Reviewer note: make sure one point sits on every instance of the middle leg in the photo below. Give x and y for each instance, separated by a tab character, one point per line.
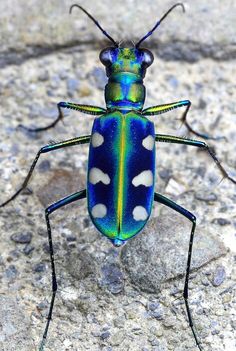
43	150
197	143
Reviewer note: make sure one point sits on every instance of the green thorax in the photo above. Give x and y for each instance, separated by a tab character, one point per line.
125	68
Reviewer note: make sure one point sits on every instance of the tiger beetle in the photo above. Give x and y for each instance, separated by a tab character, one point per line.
120	191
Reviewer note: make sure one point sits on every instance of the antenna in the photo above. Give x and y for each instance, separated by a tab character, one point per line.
96	22
159	22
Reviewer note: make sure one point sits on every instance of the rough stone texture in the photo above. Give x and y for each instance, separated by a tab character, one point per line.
15	325
33	28
101	304
160	253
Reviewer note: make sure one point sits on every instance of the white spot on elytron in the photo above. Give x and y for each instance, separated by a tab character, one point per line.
96	175
148	142
144	178
97	139
99	211
140	213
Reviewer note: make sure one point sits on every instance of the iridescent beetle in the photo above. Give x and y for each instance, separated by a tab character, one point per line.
121	165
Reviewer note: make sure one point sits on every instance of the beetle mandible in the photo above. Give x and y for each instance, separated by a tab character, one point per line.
120	192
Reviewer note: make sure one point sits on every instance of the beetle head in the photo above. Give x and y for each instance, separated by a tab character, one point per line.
133	60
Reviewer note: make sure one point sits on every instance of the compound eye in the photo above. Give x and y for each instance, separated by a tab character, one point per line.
106	56
147	57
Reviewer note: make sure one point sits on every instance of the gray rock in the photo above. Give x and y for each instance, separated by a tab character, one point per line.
15	326
22	238
30	30
105	335
44	166
11	272
80	265
159	253
207	197
219	276
61	183
112	278
39	267
28	249
222	221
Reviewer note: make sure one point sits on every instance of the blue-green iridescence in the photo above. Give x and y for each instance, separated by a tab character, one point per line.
125	89
121	173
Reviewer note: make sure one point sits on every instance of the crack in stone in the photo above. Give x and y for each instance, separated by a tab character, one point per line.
172	51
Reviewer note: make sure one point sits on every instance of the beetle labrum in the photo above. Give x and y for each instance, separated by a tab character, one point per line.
120	191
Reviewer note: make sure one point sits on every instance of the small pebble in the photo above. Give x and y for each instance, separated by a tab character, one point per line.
14	254
28	249
175	188
207	197
39	267
219	276
42	305
22	238
221	221
153	305
165	174
153	341
233	324
71	238
11	272
215	328
44	166
112	278
156	310
205	281
105	335
169	322
202	104
227	298
42	232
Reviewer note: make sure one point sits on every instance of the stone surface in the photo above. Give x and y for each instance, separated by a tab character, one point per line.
102	301
15	332
22	238
160	253
32	28
219	276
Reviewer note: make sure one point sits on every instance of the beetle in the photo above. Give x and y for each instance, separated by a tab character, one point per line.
120	190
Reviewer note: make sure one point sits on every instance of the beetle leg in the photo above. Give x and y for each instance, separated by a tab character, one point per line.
45	149
91	110
167	202
197	143
63	202
156	110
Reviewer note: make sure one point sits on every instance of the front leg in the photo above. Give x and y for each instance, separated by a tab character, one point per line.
157	110
197	143
88	109
43	150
